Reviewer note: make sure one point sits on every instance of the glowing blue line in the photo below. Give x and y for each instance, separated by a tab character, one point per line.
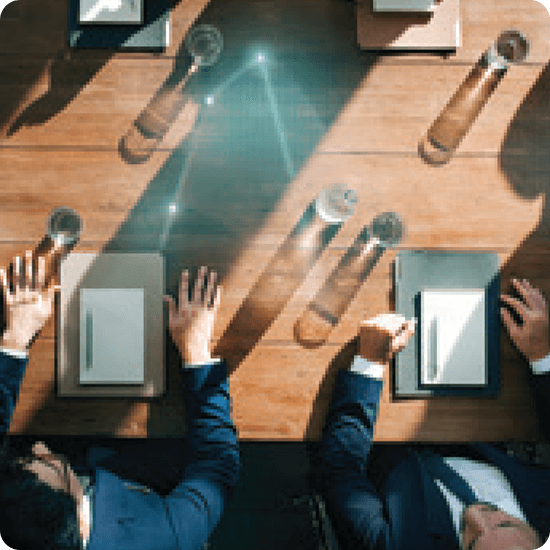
229	81
184	173
178	196
278	124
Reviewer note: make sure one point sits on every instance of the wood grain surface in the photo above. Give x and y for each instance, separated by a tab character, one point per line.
245	169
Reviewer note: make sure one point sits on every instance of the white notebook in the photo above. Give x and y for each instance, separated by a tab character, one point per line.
453	337
112	346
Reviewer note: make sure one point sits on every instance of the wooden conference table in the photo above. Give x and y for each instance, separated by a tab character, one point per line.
320	112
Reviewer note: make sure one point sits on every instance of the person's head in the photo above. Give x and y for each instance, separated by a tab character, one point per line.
487	527
41	500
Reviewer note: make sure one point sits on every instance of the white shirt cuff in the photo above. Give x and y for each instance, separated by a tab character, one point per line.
542	366
213	361
363	366
16	353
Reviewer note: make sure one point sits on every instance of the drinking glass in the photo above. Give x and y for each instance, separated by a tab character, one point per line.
63	230
204	44
450	127
336	204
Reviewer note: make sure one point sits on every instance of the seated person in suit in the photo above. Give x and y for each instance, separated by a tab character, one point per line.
476	499
44	502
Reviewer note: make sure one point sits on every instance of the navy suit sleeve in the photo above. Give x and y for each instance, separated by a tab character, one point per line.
197	503
12	370
352	500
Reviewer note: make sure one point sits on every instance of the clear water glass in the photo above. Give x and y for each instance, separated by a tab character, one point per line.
388	229
64	226
204	43
512	46
336	204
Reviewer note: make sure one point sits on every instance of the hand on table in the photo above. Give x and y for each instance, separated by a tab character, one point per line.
381	337
192	323
532	337
30	304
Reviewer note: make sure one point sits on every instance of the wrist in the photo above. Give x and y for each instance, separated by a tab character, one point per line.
385	362
196	358
9	342
538	355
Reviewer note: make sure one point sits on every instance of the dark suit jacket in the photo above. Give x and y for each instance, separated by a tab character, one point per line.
129	515
407	510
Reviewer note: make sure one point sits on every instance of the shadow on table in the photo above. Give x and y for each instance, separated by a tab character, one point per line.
219	185
525	162
283	275
47	74
44	75
56	84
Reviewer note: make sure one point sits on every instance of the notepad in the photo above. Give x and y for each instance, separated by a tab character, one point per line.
453	337
112	336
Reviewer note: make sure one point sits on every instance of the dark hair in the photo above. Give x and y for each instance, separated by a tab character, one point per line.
34	516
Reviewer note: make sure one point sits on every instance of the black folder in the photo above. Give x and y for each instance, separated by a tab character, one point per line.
151	35
418	270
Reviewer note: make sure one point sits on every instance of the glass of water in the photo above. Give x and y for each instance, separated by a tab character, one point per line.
64	226
336	204
204	43
388	229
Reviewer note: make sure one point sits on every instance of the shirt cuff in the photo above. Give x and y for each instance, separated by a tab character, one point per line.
363	366
542	366
213	361
15	353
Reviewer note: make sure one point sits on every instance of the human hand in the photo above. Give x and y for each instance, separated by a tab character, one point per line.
532	337
381	337
192	324
30	304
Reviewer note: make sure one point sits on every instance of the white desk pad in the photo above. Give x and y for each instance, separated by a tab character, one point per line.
453	337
